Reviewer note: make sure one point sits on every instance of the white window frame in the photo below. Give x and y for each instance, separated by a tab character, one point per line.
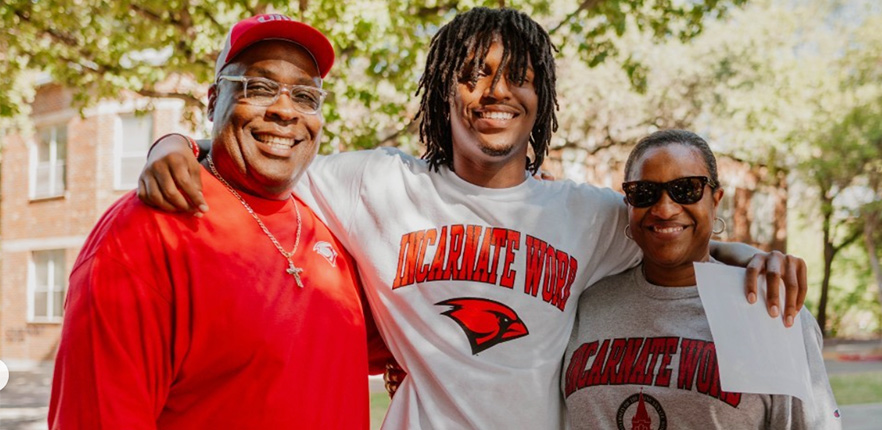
119	154
53	162
48	290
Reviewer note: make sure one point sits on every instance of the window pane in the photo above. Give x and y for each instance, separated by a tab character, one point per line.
60	178
44	140
57	303
42	186
49	283
137	134
49	175
40	305
61	142
129	170
60	272
41	271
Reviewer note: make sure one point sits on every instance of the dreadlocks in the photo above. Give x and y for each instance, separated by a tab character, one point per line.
462	45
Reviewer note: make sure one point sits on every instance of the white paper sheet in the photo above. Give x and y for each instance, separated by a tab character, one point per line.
755	353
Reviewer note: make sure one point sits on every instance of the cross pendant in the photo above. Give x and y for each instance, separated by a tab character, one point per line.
295	271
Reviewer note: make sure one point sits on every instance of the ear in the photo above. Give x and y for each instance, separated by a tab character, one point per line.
212	101
718	196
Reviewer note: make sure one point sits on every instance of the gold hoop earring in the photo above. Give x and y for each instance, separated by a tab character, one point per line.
628	232
718	231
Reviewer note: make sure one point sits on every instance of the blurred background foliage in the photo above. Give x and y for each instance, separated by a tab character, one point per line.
790	84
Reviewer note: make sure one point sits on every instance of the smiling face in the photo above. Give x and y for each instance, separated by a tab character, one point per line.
491	124
263	150
671	235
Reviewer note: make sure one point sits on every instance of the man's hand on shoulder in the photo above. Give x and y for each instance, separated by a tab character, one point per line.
776	267
171	178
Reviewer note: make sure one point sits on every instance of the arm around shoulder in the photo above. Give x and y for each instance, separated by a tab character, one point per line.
621	252
171	178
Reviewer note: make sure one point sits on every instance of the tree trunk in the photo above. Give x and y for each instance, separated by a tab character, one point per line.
870	224
829	253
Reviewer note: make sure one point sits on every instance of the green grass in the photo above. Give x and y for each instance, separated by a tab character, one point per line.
379	404
857	388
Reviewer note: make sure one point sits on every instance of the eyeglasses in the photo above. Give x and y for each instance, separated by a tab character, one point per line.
265	92
685	191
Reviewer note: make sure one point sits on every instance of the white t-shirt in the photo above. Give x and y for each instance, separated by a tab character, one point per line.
474	289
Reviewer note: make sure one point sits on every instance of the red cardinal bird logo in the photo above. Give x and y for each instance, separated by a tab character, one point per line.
485	322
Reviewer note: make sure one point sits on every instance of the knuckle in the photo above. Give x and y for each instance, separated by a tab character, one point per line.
154	195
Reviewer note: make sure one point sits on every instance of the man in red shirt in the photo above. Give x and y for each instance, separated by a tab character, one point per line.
249	317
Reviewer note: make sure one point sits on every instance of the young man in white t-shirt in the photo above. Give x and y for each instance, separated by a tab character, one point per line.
471	266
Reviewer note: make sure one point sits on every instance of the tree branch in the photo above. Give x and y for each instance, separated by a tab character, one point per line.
149	14
210	17
425	11
389	140
585	5
188	98
848	240
54	34
608	142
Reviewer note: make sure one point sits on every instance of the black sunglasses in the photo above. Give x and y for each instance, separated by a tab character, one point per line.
685	191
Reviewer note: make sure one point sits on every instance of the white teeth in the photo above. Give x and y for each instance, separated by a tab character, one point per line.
668	229
275	140
497	115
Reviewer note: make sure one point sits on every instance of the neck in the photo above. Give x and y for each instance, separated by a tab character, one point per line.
277	192
680	275
490	174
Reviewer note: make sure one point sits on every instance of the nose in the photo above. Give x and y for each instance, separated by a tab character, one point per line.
498	91
283	108
665	207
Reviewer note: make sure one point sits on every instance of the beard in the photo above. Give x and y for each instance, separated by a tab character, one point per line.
497	152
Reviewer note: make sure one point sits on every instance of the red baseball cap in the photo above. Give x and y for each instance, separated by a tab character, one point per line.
276	27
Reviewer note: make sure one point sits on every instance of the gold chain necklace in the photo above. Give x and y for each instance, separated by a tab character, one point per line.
292	269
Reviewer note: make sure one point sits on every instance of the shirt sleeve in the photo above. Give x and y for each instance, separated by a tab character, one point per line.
331	188
113	369
790	412
617	252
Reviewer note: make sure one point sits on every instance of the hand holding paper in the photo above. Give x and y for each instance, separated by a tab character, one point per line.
755	353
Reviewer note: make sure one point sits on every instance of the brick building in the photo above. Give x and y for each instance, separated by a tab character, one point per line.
58	177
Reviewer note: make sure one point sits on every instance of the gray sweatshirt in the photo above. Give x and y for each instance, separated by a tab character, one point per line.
641	356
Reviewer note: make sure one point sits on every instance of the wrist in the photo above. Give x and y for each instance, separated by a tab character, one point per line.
190	143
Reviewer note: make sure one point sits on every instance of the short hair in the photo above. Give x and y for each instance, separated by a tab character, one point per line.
473	32
673	137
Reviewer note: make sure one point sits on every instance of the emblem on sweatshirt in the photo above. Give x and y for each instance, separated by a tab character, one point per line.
327	251
486	323
641	418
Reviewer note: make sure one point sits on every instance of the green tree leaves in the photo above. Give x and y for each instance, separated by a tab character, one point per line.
154	48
